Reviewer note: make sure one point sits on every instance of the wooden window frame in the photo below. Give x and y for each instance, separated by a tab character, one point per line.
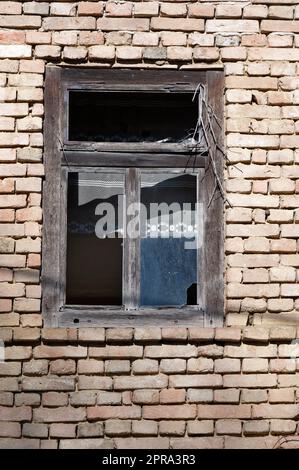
62	156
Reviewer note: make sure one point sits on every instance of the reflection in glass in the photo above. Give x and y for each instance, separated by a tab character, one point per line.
94	239
168	268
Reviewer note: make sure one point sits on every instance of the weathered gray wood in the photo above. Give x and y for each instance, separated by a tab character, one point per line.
149	160
118	318
133	78
127	147
214	238
51	286
131	253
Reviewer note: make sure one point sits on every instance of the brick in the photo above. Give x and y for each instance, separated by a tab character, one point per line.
10	430
201	335
282	426
63	414
169	412
206	54
254	365
146	39
173	428
238	26
254	396
145	366
47	383
22	22
268	26
117	427
197	443
195	381
27	399
282	333
144	335
36	8
64	23
170	351
144	428
94	383
146	9
170	366
181	24
142	443
199	395
131	383
35	367
117	367
21	413
197	39
62	430
108	398
200	365
231	395
63	367
224	411
113	412
228	426
119	24
147	397
90	366
172	396
255	334
210	350
35	430
246	350
27	305
284	395
90	9
90	430
115	352
227	366
266	411
6	398
49	352
83	398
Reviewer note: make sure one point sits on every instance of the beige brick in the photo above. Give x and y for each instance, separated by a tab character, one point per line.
169	412
172	395
127	24
181	24
254	365
228	427
199	395
144	428
90	9
265	411
282	426
145	9
64	23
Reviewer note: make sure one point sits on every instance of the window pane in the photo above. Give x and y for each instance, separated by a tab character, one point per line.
94	238
168	240
131	117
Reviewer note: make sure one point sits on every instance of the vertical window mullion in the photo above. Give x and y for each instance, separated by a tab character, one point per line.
131	265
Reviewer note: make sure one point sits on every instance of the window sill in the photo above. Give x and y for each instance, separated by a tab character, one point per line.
111	317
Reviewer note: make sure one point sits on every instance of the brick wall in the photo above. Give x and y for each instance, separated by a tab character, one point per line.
233	387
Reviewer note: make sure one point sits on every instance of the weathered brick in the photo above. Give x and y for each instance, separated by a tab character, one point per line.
60	415
96	413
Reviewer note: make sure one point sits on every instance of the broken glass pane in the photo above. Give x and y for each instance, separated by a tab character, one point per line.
168	242
131	117
94	238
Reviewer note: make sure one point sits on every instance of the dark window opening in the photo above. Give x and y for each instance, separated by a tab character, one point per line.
131	117
94	261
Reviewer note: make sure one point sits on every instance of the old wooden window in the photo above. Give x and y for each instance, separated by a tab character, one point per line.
126	191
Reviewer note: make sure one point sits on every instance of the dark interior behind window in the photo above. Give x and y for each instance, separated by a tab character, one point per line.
131	116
